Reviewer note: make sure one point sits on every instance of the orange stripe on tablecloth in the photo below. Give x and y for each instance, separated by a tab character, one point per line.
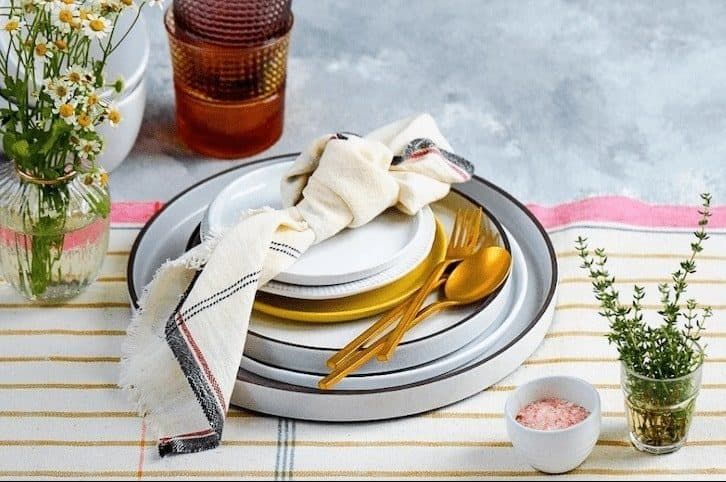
61	332
62	414
325	443
593	306
643	281
58	386
676	256
97	305
142	450
60	359
317	474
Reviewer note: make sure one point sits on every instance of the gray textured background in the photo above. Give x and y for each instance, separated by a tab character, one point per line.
553	100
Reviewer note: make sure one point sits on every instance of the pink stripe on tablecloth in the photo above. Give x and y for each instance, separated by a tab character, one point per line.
134	211
606	209
623	210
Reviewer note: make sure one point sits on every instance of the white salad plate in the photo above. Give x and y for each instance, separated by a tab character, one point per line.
477	348
412	257
520	332
350	256
305	347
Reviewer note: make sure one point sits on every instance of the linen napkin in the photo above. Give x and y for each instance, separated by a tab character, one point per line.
185	343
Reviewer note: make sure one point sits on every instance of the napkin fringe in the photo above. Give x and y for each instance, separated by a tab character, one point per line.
146	349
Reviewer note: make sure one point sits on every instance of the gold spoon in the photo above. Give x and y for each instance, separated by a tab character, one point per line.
473	279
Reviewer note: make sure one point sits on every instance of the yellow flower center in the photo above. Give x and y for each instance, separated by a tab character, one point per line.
61	44
68	2
74	77
103	179
92	100
84	120
12	26
61	91
66	110
97	25
114	116
41	50
128	3
65	16
84	13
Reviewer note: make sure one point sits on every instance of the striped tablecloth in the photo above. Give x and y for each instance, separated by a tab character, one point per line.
61	414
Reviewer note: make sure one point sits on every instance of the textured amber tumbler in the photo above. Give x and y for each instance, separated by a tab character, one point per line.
230	99
241	22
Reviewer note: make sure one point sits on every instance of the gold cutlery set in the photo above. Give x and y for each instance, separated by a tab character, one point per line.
480	266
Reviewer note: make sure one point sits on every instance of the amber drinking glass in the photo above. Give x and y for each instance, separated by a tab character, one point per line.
230	98
241	22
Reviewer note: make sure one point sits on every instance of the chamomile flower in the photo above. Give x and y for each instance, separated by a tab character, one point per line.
88	148
58	91
43	49
28	6
128	5
96	27
65	17
61	45
14	25
114	116
85	122
67	112
77	75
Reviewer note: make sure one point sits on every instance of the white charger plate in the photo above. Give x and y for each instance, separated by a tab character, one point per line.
350	256
166	236
474	350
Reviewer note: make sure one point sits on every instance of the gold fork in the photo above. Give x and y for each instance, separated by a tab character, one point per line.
464	242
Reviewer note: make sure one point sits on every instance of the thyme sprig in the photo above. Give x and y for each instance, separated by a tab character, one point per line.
671	349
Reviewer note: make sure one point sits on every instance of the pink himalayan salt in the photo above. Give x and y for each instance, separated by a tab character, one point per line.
551	414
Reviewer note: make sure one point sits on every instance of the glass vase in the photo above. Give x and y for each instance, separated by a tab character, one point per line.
53	232
659	411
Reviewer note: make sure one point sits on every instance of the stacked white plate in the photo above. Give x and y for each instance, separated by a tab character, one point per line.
448	357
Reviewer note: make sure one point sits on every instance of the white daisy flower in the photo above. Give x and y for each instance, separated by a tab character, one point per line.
88	149
58	90
128	5
43	49
65	17
67	112
96	27
14	25
114	115
85	122
77	75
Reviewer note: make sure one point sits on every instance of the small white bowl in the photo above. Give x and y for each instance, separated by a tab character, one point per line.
118	141
554	451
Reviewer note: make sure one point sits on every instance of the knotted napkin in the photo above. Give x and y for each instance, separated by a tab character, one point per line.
185	343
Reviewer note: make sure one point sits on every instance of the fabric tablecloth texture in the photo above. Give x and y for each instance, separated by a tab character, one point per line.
62	414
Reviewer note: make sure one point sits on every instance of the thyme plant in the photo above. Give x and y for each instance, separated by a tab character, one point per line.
660	362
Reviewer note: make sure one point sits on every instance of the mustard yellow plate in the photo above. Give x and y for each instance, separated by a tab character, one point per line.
359	306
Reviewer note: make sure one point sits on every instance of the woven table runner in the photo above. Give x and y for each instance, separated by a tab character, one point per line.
61	414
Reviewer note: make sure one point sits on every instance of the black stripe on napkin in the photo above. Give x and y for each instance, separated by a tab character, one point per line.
198	383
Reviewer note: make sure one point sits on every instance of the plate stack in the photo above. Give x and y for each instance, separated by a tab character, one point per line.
340	287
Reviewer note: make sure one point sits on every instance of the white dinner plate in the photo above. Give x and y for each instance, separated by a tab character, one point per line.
351	255
472	351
